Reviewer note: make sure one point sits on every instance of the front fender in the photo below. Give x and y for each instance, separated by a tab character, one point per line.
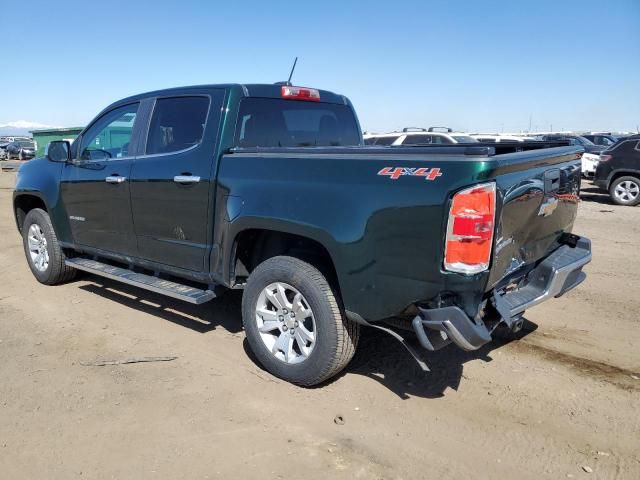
40	178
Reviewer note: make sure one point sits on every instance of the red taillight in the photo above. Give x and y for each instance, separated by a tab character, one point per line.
300	93
605	158
470	229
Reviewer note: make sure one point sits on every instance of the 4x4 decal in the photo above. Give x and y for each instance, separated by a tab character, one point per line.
396	172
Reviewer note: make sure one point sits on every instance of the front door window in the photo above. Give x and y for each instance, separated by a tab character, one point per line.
110	137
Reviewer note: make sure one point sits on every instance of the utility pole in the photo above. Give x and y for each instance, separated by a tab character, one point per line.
529	122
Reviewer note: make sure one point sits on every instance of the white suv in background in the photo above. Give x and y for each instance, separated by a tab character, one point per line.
481	137
418	136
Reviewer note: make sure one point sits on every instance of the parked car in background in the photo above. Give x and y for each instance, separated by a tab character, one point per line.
603	139
591	155
3	150
481	137
618	171
9	139
21	149
419	136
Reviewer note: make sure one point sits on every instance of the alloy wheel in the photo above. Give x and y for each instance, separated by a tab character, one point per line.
627	191
286	323
38	251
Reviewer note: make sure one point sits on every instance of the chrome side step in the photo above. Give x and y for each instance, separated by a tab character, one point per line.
148	282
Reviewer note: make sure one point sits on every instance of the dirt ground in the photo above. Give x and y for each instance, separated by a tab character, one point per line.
562	402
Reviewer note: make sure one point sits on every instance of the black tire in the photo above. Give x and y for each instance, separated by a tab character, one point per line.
336	337
618	199
56	271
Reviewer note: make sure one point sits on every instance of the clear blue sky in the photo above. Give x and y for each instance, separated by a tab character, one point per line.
482	65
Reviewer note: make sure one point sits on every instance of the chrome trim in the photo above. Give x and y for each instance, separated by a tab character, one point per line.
186	179
176	152
555	284
115	179
79	162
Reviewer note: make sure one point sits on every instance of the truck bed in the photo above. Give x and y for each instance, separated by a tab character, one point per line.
383	218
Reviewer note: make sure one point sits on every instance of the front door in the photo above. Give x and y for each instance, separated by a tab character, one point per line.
95	186
172	181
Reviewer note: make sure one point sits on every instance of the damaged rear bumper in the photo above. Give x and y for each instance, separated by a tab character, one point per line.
554	276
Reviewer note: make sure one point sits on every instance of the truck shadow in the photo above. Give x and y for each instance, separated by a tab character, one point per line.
384	360
223	311
379	357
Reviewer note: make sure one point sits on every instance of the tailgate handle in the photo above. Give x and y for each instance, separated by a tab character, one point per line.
551	180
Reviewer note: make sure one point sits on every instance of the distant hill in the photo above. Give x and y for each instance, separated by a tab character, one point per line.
21	128
15	132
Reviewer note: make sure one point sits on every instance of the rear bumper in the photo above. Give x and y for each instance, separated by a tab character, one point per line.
553	277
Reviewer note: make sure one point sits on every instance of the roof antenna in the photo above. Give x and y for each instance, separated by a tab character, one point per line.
292	69
288	82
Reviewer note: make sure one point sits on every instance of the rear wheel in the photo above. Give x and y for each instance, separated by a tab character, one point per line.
625	190
294	324
44	255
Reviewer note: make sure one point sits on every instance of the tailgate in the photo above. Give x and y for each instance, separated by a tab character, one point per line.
539	201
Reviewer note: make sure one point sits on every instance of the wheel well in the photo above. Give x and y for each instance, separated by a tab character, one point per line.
254	246
23	204
623	174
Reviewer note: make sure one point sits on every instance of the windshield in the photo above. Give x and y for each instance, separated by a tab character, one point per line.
25	144
272	122
464	139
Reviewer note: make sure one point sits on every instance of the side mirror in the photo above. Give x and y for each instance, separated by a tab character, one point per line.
58	151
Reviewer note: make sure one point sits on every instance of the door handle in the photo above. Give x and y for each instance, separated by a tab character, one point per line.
115	179
186	179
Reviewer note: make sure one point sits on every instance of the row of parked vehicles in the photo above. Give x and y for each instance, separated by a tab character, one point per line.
19	148
611	161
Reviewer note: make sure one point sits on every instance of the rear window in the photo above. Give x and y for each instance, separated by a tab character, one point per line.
417	139
271	122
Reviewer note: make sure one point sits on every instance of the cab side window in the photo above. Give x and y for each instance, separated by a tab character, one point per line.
110	136
177	124
417	139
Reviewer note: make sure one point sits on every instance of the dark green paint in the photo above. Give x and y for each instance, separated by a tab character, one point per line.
385	237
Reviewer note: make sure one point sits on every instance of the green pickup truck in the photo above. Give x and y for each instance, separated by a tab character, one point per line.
269	189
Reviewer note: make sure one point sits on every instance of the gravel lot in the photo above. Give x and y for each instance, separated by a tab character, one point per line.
562	402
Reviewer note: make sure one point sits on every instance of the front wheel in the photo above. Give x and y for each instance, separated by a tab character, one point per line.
293	322
625	190
44	255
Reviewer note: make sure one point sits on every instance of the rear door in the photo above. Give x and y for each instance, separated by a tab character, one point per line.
172	181
95	186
